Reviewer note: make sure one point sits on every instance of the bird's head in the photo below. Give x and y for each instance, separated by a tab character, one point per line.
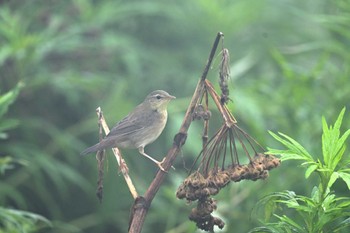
158	100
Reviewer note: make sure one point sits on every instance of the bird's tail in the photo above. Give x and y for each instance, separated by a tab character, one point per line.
99	146
90	149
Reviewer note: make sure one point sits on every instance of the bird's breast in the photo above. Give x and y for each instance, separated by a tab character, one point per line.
157	121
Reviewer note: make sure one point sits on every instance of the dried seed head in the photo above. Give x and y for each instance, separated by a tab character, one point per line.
224	75
201	215
181	192
190	196
200	113
218	222
264	175
268	161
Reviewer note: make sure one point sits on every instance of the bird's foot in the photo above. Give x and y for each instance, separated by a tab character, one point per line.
161	167
159	164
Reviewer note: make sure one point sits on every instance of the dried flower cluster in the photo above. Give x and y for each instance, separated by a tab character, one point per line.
196	187
200	113
201	215
219	161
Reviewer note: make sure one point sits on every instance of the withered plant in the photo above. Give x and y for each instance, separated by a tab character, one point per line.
219	161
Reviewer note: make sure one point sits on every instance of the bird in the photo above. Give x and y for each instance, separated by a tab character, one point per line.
140	127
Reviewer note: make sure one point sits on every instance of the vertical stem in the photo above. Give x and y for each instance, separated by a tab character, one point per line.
140	211
206	122
226	114
122	165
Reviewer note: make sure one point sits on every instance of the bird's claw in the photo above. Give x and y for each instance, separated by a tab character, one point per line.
161	167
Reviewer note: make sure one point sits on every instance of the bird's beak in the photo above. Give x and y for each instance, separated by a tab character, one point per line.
171	97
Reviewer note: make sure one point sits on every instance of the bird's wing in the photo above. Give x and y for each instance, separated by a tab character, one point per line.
128	125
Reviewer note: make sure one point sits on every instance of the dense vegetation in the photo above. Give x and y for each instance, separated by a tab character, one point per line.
59	60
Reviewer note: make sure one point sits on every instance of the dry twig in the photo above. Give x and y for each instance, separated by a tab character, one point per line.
121	162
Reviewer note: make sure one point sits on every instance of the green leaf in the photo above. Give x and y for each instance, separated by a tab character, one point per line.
6	164
267	229
290	222
346	177
332	179
342	225
20	221
333	146
310	170
8	98
269	209
6	124
295	150
315	194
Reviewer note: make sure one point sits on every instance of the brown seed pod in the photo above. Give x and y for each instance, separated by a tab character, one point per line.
190	196
181	192
213	190
218	222
200	113
264	175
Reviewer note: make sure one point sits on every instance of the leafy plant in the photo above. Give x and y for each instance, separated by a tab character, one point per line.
76	55
324	211
12	220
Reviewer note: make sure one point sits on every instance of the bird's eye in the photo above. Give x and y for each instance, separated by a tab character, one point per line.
158	97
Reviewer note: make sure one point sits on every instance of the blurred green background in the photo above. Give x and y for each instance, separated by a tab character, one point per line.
290	64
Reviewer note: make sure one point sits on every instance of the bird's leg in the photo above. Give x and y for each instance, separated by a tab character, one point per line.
159	164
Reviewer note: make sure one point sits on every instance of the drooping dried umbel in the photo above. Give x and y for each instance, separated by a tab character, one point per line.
218	166
219	163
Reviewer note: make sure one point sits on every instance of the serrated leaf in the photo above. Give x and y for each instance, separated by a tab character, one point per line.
339	120
333	146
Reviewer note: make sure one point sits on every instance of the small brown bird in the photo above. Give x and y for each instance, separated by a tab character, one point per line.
141	127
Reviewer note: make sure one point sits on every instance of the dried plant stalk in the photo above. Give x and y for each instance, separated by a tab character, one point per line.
121	162
224	75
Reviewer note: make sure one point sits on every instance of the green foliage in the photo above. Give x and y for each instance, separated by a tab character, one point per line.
12	220
289	64
5	124
17	221
5	101
324	210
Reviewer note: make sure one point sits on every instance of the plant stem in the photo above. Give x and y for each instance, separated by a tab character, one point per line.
142	204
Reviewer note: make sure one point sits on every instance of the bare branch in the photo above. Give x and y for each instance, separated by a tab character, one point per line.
121	162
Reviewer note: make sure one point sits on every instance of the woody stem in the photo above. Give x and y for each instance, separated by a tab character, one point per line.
141	205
